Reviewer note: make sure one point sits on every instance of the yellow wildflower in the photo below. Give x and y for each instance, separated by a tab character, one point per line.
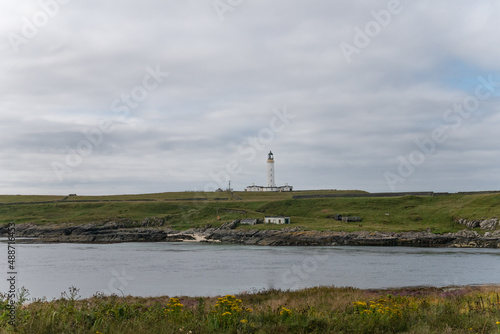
285	311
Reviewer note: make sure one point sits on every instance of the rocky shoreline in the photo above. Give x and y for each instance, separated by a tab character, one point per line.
115	232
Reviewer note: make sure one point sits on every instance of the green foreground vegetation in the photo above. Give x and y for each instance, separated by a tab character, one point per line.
313	310
183	210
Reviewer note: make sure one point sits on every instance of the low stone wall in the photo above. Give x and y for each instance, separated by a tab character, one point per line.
421	193
427	193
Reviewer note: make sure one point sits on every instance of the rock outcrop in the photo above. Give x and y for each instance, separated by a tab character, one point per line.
90	233
485	224
331	238
127	231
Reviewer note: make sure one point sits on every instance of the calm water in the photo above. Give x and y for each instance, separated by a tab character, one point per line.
153	269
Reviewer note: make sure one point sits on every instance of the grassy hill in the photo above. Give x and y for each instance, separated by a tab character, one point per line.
182	210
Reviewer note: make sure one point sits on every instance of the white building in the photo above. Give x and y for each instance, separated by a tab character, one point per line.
271	184
277	220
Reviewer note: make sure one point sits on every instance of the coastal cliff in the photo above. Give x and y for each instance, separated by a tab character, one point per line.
113	232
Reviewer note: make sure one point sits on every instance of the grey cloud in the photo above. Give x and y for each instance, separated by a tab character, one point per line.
352	121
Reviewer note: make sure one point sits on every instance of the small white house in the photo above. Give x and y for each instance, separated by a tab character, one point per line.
277	220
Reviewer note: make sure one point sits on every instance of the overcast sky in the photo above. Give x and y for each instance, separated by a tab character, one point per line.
119	96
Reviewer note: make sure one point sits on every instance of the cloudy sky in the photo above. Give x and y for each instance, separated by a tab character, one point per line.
119	96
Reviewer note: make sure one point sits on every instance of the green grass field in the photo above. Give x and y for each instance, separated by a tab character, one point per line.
313	310
182	210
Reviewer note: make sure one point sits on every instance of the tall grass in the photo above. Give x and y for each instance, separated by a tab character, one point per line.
314	310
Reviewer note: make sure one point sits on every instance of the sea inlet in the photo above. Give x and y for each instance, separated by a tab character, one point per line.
199	269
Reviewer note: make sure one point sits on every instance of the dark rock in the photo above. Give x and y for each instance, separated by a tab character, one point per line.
230	225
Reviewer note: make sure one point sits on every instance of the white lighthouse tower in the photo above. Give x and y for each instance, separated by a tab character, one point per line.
270	170
271	181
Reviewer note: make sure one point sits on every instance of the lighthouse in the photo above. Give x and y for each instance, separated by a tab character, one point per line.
271	181
270	170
